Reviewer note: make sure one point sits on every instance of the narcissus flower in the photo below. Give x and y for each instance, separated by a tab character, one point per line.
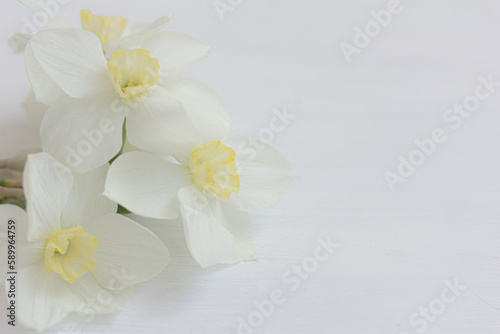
113	31
214	185
73	252
90	97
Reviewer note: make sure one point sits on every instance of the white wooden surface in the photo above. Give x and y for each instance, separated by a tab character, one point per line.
396	249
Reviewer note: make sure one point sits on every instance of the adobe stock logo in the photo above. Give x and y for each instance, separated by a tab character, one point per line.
427	314
294	277
453	118
223	6
363	37
90	140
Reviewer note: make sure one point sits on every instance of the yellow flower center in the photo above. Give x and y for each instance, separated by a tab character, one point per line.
133	72
214	169
69	253
105	27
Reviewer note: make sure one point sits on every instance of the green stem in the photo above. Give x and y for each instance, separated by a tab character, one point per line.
10	183
124	139
19	203
122	211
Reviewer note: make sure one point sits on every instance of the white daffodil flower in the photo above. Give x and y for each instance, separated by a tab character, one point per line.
213	186
113	31
73	252
90	97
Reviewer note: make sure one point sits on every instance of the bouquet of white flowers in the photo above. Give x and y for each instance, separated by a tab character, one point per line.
123	130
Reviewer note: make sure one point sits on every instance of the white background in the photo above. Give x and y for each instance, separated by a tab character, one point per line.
352	121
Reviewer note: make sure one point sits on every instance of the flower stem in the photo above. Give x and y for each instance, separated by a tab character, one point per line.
122	211
12	193
17	163
19	203
6	173
124	139
11	183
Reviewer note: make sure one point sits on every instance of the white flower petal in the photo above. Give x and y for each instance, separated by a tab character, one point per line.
35	110
147	185
204	107
91	130
96	299
136	34
86	201
215	232
17	42
43	300
47	185
127	252
47	90
26	253
73	59
264	173
127	147
176	52
159	124
148	29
